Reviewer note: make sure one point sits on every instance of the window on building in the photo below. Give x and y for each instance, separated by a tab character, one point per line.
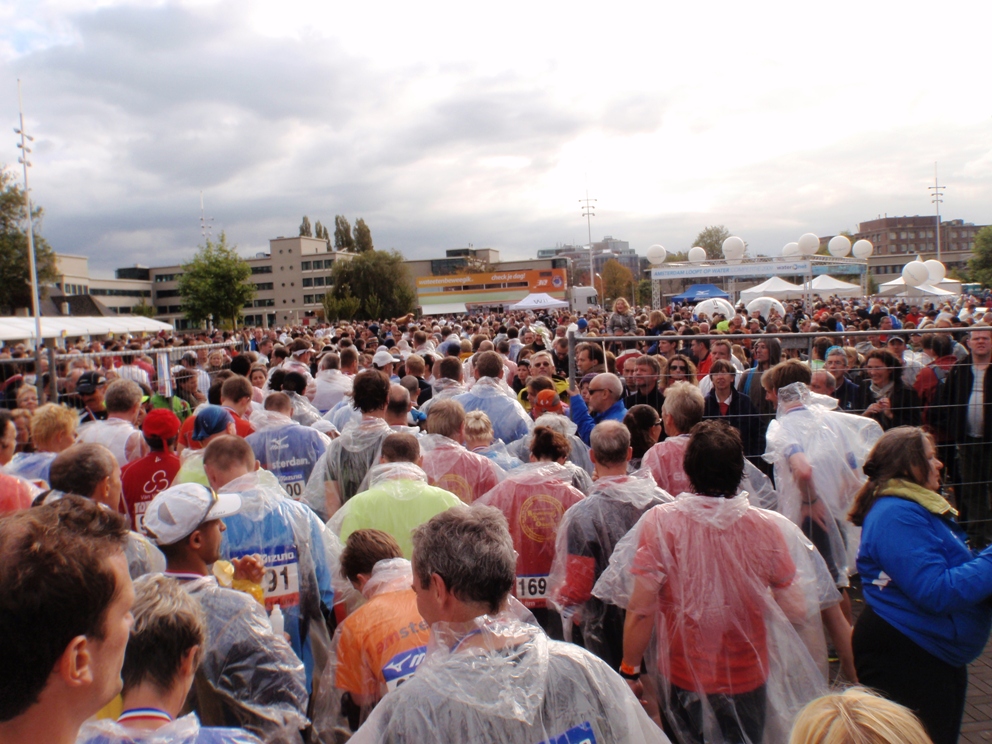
318	281
307	281
307	299
261	269
892	236
903	235
262	286
304	266
320	264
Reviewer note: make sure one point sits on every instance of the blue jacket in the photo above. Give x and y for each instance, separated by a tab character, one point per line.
918	575
586	421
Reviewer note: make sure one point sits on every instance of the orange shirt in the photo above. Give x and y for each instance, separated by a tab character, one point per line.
381	644
241	426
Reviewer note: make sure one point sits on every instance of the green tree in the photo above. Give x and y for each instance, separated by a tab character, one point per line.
143	309
617	280
15	275
712	240
363	237
980	264
305	230
677	257
318	230
217	283
377	281
644	292
343	239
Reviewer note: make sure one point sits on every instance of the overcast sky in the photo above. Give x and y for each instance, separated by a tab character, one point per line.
444	124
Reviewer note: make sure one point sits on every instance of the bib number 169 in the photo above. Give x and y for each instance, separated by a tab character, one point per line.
532	587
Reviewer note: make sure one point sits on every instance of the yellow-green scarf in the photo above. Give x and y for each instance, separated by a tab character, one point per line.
932	502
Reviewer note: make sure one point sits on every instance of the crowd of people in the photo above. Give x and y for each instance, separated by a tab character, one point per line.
502	527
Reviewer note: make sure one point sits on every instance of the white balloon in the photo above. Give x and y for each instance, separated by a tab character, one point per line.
791	249
862	248
936	271
764	304
809	244
714	305
733	247
656	254
915	273
697	254
839	246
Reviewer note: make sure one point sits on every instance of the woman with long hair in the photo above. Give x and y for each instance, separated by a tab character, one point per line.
891	403
927	612
680	369
644	424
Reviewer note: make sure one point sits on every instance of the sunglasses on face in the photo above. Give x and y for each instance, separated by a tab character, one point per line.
679	369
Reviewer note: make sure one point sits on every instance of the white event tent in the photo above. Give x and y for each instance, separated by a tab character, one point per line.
826	285
898	287
539	301
775	287
23	328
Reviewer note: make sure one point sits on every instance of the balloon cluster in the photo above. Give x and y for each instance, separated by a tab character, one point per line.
919	272
839	247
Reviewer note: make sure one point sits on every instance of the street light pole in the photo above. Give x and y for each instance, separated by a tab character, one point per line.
589	211
937	191
32	268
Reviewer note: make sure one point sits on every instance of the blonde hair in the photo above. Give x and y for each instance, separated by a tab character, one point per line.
478	425
445	418
50	420
856	716
685	404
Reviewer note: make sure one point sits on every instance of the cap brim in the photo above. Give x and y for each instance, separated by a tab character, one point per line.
227	505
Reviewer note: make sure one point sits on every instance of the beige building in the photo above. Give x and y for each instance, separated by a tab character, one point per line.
129	288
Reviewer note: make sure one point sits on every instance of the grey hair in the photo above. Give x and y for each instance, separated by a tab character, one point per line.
610	382
685	404
471	550
556	422
122	396
610	441
831	380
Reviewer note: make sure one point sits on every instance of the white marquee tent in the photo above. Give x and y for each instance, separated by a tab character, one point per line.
23	328
539	301
898	287
826	285
775	287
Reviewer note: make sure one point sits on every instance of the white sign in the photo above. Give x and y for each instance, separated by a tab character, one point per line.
774	268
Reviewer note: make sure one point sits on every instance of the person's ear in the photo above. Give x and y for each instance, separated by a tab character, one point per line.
75	664
630	453
439	589
592	456
195	540
257	466
190	661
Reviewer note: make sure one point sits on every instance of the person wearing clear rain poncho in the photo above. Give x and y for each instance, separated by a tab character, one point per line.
290	539
397	498
716	605
510	421
587	535
284	447
166	643
447	463
248	676
817	453
534	497
448	382
578	454
479	439
379	645
490	674
341	471
683	408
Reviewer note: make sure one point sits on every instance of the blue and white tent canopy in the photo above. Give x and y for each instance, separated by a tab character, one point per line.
699	292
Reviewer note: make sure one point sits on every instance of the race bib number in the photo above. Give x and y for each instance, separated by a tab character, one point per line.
402	666
293	482
139	517
581	734
532	587
281	583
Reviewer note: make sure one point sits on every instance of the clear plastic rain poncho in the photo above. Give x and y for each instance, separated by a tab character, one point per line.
248	676
835	445
587	535
442	388
375	650
731	609
510	420
31	466
398	498
287	449
452	467
304	412
499	454
185	730
346	462
343	414
534	498
290	539
664	460
579	454
499	679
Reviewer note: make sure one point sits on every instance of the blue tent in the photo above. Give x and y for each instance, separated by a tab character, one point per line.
700	292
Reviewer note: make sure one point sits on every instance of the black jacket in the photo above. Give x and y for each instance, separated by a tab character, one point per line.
904	404
950	417
742	415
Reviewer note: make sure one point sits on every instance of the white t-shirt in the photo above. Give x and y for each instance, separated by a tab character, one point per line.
976	403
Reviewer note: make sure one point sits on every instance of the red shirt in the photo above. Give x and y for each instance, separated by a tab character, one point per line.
241	427
142	479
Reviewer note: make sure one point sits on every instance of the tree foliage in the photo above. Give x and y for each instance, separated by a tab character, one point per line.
305	229
15	275
712	240
378	281
980	264
644	292
143	309
363	237
617	280
343	239
216	282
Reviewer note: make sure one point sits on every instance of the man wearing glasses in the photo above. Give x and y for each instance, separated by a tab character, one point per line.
605	404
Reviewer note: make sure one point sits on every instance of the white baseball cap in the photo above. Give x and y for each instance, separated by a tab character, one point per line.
177	512
382	358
